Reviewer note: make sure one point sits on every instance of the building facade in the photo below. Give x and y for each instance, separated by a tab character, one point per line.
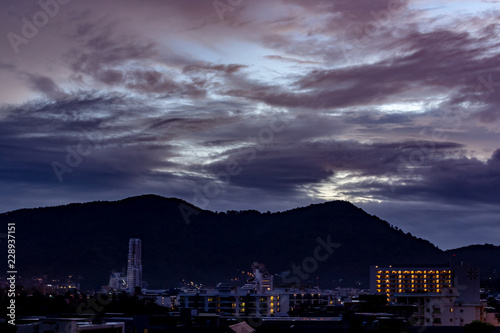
394	280
442	295
228	300
134	265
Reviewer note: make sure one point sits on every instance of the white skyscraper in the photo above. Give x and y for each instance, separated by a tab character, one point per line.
134	267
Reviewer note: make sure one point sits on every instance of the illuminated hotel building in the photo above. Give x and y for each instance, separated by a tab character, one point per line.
442	295
394	280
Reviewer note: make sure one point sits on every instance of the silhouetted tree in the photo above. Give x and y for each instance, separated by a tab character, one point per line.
478	327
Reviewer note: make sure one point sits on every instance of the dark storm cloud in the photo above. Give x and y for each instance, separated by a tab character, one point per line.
287	59
6	66
40	132
105	52
371	118
111	77
463	180
357	10
106	57
442	60
100	43
436	62
287	167
490	113
157	83
166	93
99	55
129	147
441	178
227	69
45	85
118	139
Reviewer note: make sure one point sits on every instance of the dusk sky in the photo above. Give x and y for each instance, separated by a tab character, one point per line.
249	104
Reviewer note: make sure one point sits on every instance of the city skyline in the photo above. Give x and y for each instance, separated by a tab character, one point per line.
392	105
434	288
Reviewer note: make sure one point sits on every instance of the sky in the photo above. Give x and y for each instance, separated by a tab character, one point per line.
392	105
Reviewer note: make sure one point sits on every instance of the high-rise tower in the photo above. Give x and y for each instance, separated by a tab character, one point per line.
134	267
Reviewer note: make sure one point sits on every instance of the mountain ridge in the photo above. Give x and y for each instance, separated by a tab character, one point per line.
91	240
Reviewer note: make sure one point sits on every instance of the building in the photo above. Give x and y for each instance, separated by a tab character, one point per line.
166	300
261	279
117	282
258	297
160	297
442	295
71	325
134	265
395	280
229	300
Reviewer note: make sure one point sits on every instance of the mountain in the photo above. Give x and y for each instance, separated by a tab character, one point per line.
486	256
90	240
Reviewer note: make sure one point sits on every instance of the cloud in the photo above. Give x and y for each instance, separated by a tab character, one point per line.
288	59
46	86
227	69
383	101
6	66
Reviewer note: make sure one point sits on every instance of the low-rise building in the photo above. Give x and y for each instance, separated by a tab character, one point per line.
442	295
229	300
160	297
71	325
